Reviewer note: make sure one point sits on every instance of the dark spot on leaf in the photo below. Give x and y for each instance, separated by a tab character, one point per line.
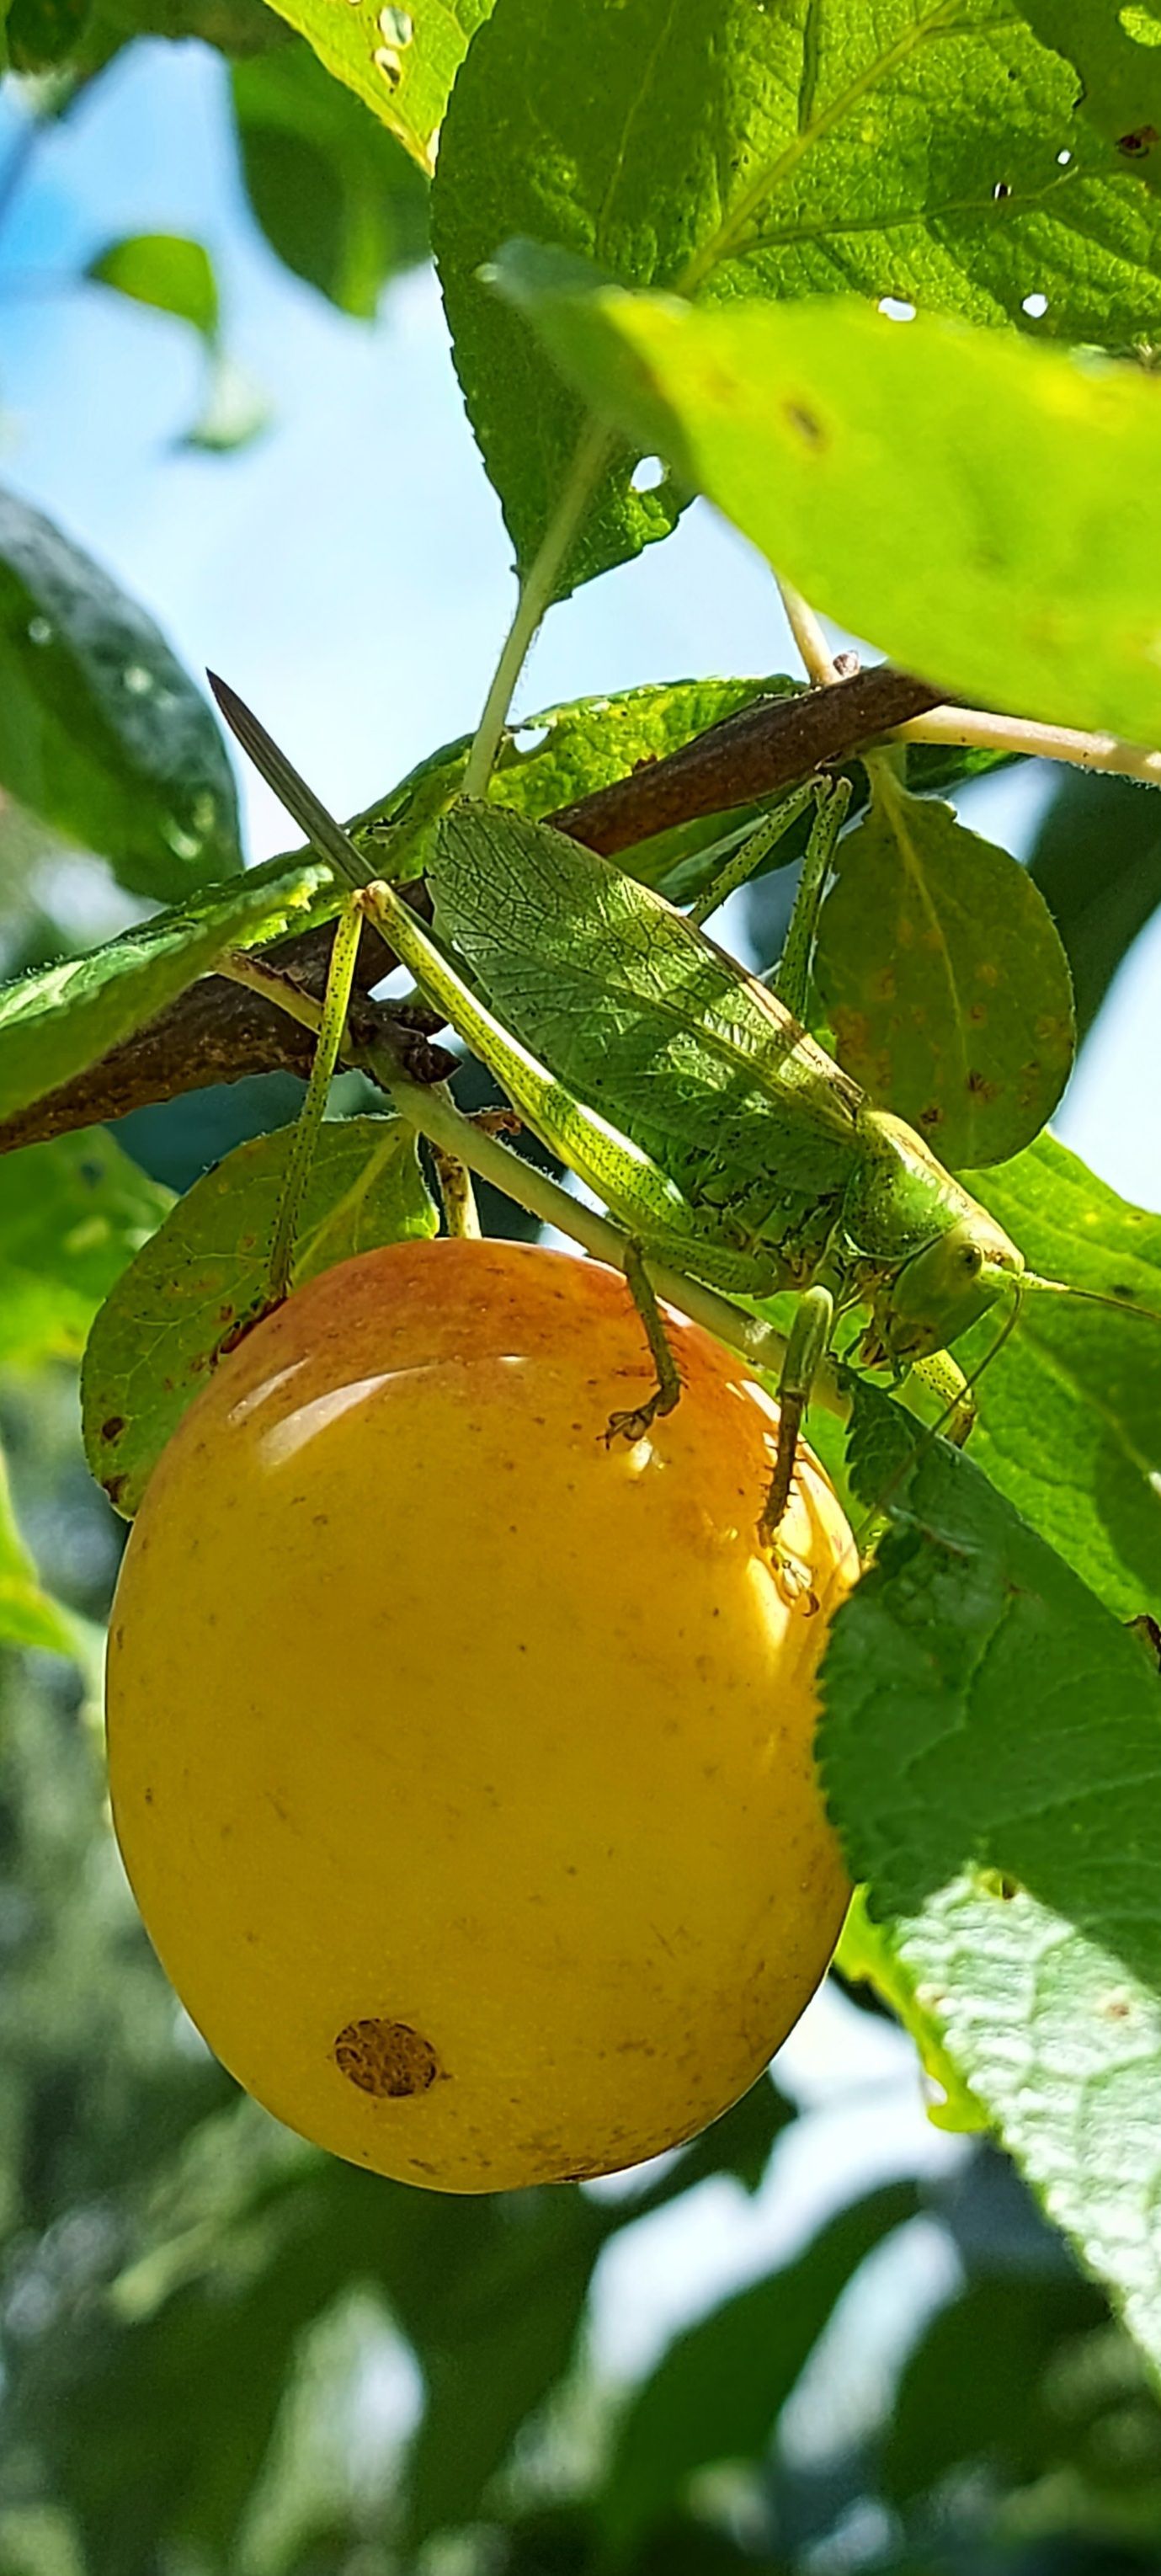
113	1428
115	1487
804	423
1115	2007
1139	143
979	1086
930	1117
387	2058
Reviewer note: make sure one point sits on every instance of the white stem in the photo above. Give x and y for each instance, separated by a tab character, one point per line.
808	635
971	729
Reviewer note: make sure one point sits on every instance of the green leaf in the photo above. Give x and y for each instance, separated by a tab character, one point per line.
1115	46
866	1956
1022	542
401	61
492	2351
337	197
722	2384
28	1616
60	1018
1064	2050
909	151
1070	1412
166	270
42	33
73	1213
944	979
981	1706
101	731
156	1340
950	2414
1097	861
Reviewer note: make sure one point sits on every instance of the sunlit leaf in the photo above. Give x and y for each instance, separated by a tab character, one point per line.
1070	1412
166	270
1063	2048
944	979
28	1615
981	1706
60	1018
155	1341
787	416
400	61
907	151
73	1213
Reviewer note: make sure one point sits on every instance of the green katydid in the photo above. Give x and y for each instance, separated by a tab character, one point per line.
686	1094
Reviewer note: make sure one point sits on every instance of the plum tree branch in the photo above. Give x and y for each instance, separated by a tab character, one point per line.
219	1032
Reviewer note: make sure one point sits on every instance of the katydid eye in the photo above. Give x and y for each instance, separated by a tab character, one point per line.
971	1258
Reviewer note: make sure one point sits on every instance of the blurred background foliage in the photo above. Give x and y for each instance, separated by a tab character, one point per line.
220	2351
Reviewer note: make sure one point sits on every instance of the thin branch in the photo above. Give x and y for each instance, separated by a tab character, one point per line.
768	745
218	1032
973	729
808	636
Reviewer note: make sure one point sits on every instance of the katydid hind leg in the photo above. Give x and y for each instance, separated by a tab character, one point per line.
743	862
805	1350
790	982
639	1418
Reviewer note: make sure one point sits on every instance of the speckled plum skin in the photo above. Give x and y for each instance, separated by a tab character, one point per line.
461	1762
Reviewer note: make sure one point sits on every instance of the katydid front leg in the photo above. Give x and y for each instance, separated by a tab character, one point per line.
805	1351
336	1003
634	1424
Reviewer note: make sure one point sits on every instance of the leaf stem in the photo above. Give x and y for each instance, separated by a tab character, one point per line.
973	728
814	651
537	591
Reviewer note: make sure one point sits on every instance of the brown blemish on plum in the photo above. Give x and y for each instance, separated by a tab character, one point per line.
387	2058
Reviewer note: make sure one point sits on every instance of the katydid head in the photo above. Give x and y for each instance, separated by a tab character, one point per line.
946	1286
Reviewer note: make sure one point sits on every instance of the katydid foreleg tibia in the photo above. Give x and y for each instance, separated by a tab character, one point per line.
684	1093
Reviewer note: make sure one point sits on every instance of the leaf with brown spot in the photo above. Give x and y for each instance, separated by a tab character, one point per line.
162	1330
924	914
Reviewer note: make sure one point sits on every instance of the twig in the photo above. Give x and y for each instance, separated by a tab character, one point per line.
973	729
750	755
808	635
